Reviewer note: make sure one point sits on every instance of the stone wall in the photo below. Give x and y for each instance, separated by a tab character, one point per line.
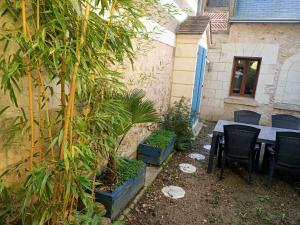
152	72
278	83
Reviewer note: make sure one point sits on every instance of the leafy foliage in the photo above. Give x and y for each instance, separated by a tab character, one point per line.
73	45
141	110
178	119
128	169
160	139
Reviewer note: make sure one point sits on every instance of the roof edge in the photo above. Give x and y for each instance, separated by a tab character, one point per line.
264	20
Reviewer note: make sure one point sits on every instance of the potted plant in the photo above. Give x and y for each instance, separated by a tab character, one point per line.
121	179
157	147
130	180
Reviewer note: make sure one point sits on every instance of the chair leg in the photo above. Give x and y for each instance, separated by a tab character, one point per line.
257	155
250	166
266	161
222	166
271	172
220	153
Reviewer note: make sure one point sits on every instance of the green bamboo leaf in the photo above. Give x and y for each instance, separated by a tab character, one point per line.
3	110
60	136
55	141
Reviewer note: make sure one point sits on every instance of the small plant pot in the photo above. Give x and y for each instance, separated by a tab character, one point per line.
153	155
116	201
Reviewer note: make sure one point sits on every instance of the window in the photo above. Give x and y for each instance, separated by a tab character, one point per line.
244	76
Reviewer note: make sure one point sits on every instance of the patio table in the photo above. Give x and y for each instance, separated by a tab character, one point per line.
267	135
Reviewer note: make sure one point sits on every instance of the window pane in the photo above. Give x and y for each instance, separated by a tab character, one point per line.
252	73
238	75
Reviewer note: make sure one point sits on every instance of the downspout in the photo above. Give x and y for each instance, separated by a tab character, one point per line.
199	8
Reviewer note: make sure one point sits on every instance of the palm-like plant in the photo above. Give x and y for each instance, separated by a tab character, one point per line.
140	111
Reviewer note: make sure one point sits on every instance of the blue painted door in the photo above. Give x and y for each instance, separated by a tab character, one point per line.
197	91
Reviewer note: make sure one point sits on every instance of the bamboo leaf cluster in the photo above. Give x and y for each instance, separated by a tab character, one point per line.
61	56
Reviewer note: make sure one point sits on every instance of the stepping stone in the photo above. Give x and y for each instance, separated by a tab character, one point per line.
207	147
174	192
210	135
197	156
187	168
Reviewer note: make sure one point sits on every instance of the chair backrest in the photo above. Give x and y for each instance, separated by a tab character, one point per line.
240	141
286	121
247	116
287	149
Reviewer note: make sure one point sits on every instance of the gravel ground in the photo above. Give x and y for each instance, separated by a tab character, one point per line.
210	201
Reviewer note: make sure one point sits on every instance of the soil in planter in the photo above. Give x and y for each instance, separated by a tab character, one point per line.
160	139
126	169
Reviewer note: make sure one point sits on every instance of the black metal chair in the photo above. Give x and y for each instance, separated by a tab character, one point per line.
285	154
239	145
286	121
249	117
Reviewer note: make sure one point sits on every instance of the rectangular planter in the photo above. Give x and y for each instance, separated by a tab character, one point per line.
152	155
115	202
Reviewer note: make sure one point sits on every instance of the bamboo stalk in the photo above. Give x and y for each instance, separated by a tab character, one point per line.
70	108
40	139
29	80
47	112
63	83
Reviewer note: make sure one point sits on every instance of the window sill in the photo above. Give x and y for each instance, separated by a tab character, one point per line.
285	106
240	101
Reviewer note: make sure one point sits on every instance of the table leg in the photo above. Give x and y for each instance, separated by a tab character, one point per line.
214	146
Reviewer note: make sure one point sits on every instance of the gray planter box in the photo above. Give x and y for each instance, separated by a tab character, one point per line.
115	202
152	155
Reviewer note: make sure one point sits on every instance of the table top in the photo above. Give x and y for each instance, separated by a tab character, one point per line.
266	135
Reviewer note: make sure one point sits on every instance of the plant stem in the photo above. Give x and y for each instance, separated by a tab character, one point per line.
47	112
29	80
40	140
70	108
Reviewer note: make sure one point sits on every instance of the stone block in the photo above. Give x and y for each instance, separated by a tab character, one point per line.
183	77
185	64
218	67
221	94
228	67
179	90
213	56
226	85
208	92
186	50
212	76
224	76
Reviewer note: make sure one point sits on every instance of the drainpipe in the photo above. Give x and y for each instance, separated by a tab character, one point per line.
199	8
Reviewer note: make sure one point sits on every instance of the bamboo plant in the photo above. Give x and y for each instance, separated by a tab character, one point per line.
65	50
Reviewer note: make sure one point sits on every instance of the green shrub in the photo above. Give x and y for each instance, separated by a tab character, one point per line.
160	138
127	169
178	120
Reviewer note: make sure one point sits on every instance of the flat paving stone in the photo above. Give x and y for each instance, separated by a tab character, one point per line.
207	147
173	192
187	168
197	156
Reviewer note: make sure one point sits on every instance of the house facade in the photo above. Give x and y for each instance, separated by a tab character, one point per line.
254	61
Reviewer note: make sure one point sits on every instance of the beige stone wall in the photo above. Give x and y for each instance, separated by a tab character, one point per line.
152	72
184	66
185	63
278	45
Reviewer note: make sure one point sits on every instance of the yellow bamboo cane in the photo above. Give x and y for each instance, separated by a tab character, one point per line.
70	107
29	80
40	139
